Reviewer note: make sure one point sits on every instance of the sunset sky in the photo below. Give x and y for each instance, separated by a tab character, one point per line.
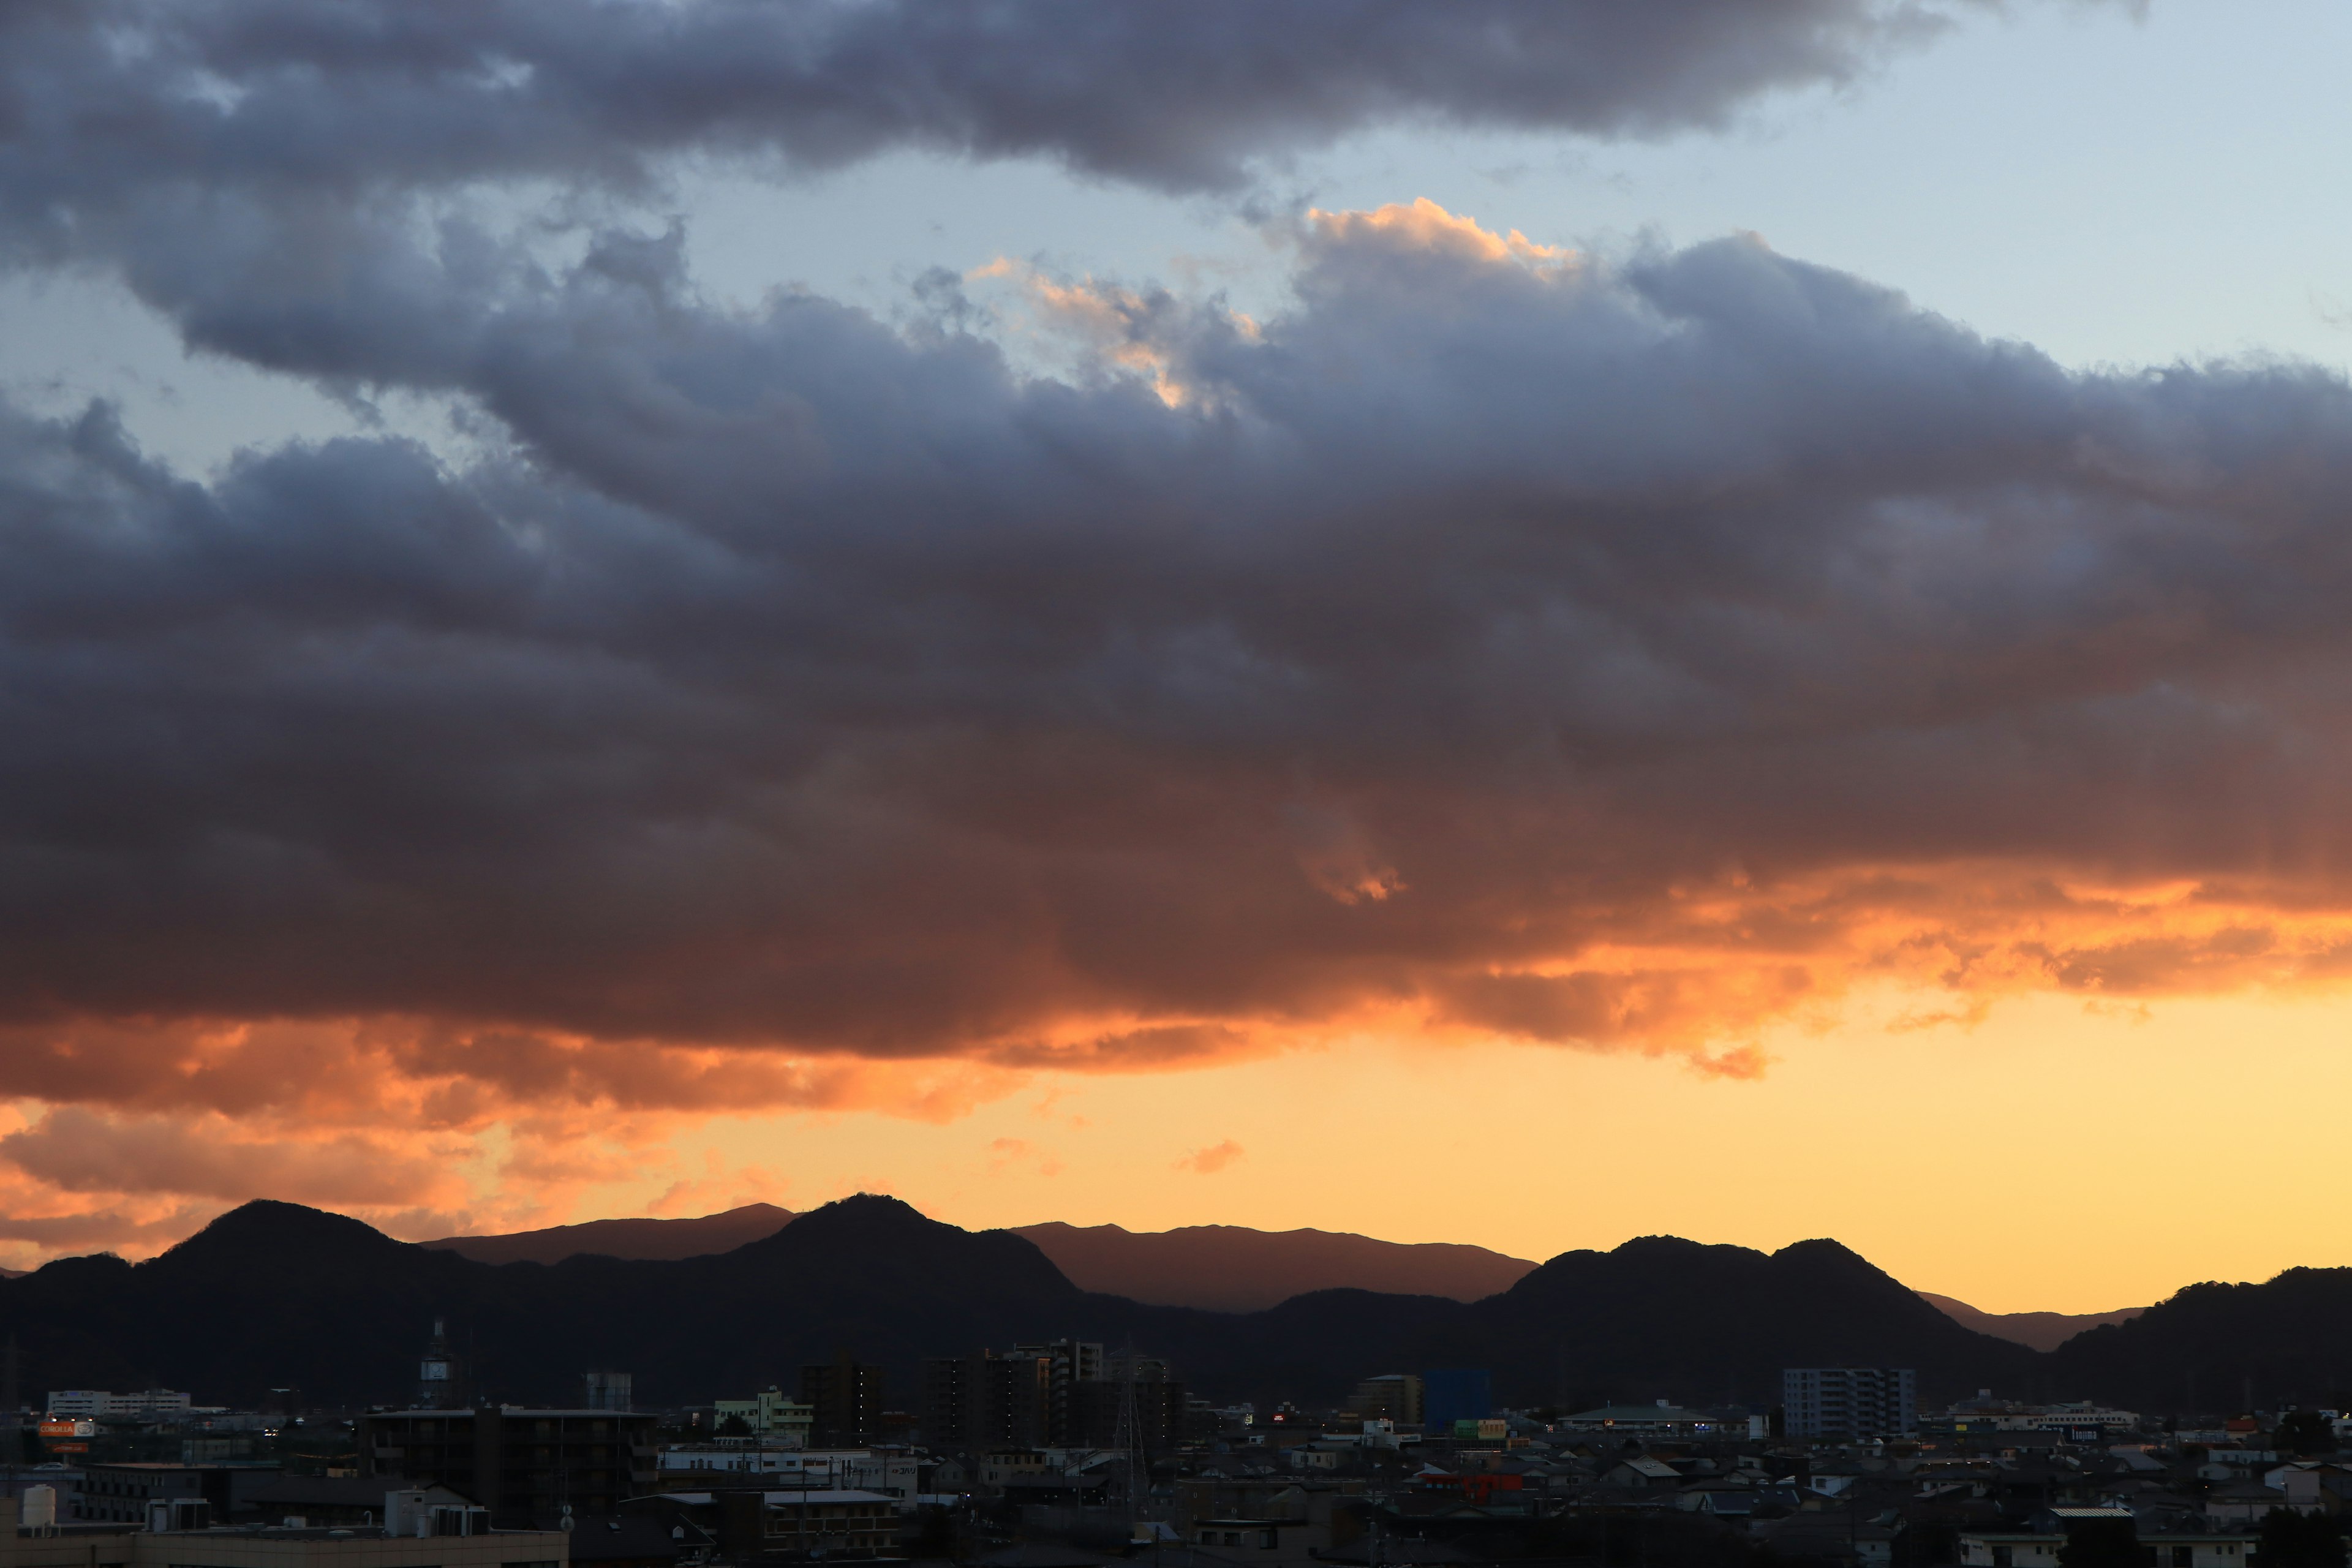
1466	622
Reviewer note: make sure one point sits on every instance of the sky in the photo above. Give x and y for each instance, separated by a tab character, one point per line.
1465	622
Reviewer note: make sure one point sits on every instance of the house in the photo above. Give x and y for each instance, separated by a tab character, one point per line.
1270	1542
1831	1538
1042	1554
2241	1504
2191	1550
2312	1487
2009	1549
631	1540
1733	1503
1642	1470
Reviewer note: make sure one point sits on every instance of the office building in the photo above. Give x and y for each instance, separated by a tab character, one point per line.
1455	1393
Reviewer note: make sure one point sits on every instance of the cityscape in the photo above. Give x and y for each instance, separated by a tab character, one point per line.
1062	1451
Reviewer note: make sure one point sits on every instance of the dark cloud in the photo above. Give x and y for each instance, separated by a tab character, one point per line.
102	101
79	1150
105	1227
1616	654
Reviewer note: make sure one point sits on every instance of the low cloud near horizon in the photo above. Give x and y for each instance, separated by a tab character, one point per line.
793	709
1209	1160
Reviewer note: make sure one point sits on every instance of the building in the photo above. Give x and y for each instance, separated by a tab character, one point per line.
439	1384
844	1400
607	1391
341	1503
1072	1364
998	1468
1136	1387
891	1472
988	1401
26	1544
1063	1393
122	1493
97	1405
1986	1417
1392	1396
769	1414
527	1466
830	1524
1849	1404
1659	1420
1455	1393
2013	1549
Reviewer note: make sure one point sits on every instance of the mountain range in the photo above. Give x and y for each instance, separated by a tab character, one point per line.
272	1295
1223	1267
663	1239
2042	1331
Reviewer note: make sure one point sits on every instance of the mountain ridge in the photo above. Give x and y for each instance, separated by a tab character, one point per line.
640	1239
2037	1330
243	1305
1222	1268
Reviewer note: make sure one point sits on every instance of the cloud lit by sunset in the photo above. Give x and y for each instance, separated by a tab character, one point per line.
700	626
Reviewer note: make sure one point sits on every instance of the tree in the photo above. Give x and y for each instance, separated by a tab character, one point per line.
2308	1432
2105	1543
2292	1539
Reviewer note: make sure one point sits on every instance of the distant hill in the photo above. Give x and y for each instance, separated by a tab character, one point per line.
1232	1269
636	1238
271	1295
2042	1331
1224	1267
2224	1348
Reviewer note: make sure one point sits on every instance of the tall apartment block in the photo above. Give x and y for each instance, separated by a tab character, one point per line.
1849	1404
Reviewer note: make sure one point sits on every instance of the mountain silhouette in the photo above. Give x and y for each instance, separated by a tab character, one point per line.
2042	1331
2224	1348
1233	1269
634	1239
274	1294
1224	1267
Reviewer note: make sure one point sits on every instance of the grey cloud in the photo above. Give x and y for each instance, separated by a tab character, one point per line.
117	99
800	680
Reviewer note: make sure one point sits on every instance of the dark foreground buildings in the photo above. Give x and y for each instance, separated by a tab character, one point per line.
525	1465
